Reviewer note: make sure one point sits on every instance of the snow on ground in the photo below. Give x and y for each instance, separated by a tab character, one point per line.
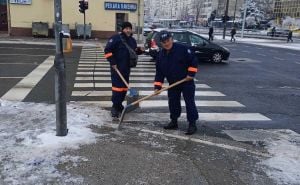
271	43
262	42
30	151
284	165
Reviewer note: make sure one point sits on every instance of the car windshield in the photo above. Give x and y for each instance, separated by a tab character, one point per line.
196	40
180	37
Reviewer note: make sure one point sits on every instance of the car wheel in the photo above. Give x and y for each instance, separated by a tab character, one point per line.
217	57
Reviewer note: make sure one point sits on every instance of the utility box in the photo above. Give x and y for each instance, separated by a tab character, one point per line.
80	30
64	28
40	29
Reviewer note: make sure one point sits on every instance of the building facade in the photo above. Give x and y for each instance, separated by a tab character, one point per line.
186	9
283	8
105	17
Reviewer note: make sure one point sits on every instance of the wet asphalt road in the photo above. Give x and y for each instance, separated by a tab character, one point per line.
265	80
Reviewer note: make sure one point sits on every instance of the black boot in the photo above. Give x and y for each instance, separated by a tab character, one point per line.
114	112
192	128
172	125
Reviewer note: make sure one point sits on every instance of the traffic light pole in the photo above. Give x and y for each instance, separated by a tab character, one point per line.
139	22
226	15
84	26
60	75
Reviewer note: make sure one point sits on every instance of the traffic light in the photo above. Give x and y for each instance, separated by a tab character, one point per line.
83	5
86	4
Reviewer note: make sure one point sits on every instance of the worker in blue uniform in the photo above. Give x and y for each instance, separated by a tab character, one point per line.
118	54
176	62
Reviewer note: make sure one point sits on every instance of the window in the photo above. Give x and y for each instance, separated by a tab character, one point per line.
180	37
196	40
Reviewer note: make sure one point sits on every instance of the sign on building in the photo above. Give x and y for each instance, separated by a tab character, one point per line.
20	1
120	6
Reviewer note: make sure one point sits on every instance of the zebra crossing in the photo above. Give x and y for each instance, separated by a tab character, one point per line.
93	85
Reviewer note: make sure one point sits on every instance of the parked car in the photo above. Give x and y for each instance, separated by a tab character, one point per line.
279	32
148	40
146	30
203	48
149	28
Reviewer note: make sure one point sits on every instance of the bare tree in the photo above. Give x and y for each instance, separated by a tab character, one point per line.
197	6
184	13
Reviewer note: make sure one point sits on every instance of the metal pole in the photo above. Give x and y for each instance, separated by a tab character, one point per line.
60	75
139	22
225	14
8	18
234	12
84	26
244	18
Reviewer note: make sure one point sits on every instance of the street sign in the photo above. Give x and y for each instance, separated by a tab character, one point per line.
20	1
120	6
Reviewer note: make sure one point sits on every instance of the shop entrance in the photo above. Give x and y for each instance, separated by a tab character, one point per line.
3	16
120	18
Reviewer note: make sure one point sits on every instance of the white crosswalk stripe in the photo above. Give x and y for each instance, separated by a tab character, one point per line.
108	69
164	103
92	84
204	86
141	93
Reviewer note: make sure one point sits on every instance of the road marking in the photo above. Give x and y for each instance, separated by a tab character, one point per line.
164	103
108	69
106	78
108	65
258	134
87	85
297	62
24	55
24	87
108	73
202	117
7	77
141	93
93	61
278	58
292	54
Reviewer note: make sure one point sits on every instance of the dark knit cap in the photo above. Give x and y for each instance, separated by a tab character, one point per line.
126	25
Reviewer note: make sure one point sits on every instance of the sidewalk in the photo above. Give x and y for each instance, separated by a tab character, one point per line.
261	42
5	39
96	152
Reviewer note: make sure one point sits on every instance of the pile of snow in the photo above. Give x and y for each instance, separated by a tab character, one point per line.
30	151
284	165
